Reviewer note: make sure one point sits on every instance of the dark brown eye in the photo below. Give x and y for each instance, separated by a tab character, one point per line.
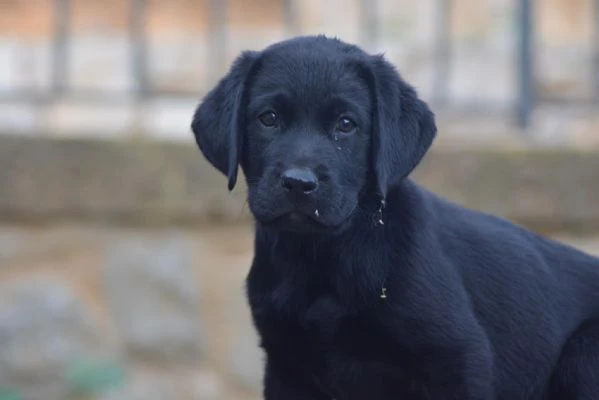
345	125
268	118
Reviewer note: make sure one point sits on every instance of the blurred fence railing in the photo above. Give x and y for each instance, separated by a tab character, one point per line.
524	53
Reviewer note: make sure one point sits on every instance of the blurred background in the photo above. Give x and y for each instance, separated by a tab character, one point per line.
122	255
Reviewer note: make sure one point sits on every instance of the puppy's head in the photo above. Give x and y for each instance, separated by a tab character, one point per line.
319	128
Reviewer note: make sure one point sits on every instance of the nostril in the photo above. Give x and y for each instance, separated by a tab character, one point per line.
308	187
299	180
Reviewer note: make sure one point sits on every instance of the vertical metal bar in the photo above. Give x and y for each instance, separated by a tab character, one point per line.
525	63
442	51
60	46
290	17
595	66
139	46
369	22
218	36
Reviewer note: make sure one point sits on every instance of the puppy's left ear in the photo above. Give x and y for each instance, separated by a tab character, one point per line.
218	122
403	128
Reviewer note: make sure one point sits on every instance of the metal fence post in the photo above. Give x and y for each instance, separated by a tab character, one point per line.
369	22
139	47
442	51
60	46
595	66
290	17
218	37
525	63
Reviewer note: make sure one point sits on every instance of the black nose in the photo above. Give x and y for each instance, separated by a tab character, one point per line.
298	180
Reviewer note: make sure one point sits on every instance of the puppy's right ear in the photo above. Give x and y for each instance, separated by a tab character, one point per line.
218	122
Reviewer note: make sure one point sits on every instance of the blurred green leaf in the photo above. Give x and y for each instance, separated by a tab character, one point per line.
9	394
91	377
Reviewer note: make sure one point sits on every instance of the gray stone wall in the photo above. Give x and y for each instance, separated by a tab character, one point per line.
146	183
106	313
90	312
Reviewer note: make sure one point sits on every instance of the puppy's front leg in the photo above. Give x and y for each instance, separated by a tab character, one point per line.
468	375
282	384
454	354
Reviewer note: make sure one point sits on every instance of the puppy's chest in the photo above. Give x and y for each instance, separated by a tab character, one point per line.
314	314
313	323
346	353
317	330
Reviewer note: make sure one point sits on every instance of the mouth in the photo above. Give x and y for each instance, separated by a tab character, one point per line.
296	221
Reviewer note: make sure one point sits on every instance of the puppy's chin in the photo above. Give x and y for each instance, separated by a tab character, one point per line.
318	215
295	221
299	222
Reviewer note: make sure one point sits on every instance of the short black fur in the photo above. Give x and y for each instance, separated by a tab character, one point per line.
364	284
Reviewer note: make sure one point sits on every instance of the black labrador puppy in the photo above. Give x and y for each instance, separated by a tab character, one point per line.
365	285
